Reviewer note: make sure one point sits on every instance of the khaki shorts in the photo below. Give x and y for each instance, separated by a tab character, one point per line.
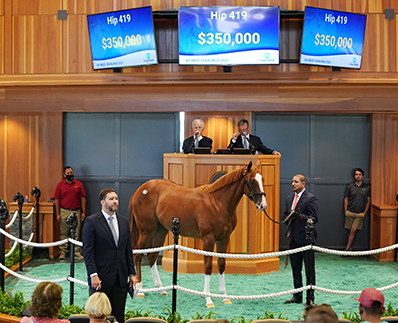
353	220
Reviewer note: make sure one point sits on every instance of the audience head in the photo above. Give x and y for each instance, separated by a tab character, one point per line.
197	126
98	306
371	303
321	313
46	300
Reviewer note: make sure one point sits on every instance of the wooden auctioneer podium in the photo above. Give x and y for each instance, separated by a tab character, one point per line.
254	232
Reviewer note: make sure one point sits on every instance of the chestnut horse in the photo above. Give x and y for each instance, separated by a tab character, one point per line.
206	212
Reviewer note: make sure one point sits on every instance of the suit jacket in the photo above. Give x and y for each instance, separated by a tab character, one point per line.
101	254
188	143
307	205
255	141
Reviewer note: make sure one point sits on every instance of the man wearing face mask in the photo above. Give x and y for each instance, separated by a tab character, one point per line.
243	139
69	197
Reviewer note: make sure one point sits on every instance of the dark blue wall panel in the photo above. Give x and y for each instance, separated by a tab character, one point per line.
118	150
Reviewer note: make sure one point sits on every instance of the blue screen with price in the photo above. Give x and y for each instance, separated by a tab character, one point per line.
332	38
122	38
228	35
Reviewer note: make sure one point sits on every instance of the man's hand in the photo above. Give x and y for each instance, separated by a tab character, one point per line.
82	217
133	280
96	282
59	218
276	153
235	135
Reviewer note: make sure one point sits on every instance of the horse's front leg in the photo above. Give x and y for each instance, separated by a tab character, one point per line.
208	264
208	245
222	248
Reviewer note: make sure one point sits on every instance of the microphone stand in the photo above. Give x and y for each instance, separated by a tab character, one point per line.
193	142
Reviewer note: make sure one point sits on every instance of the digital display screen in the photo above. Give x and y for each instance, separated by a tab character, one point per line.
228	35
122	38
332	38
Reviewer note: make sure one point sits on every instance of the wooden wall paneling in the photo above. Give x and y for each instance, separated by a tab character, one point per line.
37	46
50	153
2	52
393	42
76	45
88	6
31	148
36	7
7	50
384	159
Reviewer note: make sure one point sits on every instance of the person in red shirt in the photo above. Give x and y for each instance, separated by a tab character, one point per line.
69	197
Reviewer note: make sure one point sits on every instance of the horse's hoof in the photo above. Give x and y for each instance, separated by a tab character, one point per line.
210	305
226	301
141	295
163	292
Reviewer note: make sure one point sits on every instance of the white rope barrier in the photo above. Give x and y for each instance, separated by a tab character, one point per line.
237	256
16	215
34	244
213	254
30	239
29	215
12	249
12	220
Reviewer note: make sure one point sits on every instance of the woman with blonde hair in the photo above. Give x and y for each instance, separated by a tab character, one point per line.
98	307
46	302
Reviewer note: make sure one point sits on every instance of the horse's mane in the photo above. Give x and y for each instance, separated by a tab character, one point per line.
221	182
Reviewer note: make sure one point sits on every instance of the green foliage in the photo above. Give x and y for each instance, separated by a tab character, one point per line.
352	316
390	310
67	310
271	315
198	316
172	317
356	317
13	259
138	313
12	305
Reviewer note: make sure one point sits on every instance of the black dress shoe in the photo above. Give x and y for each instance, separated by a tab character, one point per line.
294	300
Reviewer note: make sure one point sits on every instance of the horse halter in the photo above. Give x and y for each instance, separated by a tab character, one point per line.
248	182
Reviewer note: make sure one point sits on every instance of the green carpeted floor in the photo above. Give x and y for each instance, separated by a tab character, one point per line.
333	272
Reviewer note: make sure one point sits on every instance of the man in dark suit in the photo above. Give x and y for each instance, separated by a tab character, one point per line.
242	139
197	140
306	206
108	253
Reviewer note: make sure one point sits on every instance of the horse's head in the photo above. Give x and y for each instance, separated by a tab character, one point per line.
253	186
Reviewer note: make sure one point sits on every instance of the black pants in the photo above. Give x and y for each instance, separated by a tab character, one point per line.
296	261
117	296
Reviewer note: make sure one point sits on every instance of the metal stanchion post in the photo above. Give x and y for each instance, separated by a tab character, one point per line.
19	197
309	228
176	231
72	222
37	193
3	219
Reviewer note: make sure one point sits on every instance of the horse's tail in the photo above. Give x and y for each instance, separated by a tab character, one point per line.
133	226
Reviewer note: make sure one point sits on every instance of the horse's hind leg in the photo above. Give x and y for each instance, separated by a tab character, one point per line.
157	241
141	244
222	248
